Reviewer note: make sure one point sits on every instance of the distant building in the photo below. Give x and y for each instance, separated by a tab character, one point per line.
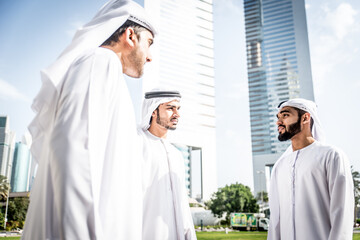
20	168
184	60
22	174
7	145
278	64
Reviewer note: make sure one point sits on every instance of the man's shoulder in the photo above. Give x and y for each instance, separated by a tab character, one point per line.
99	54
326	147
328	150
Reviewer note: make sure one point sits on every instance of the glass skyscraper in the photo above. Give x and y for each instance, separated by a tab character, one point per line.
278	63
7	145
183	59
21	168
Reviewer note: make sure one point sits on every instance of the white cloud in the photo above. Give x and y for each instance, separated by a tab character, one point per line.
74	26
8	91
342	20
333	33
307	6
357	84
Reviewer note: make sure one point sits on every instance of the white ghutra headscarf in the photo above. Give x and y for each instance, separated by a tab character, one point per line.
152	100
310	107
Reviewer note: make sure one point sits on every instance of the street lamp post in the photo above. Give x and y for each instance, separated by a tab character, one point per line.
6	208
261	189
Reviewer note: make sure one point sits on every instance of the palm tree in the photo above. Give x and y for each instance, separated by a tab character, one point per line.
356	180
4	188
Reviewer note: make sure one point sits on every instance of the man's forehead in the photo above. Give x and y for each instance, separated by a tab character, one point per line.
173	102
286	109
148	34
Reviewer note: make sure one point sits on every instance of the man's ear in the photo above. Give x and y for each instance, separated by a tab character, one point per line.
307	117
153	114
129	37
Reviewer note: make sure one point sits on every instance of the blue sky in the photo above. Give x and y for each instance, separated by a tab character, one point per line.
33	33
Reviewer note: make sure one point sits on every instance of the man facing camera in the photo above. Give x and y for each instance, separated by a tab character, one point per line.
166	211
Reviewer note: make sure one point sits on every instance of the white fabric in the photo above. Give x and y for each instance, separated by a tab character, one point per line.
87	185
149	106
166	206
311	195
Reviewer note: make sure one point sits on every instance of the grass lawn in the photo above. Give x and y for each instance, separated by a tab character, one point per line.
240	236
218	236
231	235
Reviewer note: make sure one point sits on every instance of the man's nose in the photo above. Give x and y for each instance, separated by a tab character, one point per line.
149	57
176	113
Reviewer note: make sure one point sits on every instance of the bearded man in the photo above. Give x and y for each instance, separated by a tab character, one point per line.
311	192
166	211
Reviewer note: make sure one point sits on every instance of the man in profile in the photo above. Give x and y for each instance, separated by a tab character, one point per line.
166	211
311	191
84	133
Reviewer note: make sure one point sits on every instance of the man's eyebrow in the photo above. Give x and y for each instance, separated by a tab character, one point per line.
170	105
283	111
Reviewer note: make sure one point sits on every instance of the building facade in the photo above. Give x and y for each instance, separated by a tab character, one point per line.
20	173
7	145
183	59
278	64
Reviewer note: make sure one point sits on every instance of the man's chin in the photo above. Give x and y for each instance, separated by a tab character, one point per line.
283	137
137	74
171	128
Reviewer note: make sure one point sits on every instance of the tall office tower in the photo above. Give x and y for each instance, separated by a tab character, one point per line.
22	173
183	59
7	144
20	168
278	63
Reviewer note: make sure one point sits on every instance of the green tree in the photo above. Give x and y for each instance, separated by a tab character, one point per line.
356	180
4	188
17	208
2	218
234	198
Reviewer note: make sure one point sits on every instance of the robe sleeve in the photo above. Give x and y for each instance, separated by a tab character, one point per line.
77	154
341	193
274	225
189	229
69	159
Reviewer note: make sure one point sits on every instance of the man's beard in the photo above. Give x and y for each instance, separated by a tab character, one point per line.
136	61
164	124
294	129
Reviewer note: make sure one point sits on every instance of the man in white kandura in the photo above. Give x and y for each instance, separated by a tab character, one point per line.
311	191
85	140
166	211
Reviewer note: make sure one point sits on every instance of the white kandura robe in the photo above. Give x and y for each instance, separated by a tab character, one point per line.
166	211
87	185
311	196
